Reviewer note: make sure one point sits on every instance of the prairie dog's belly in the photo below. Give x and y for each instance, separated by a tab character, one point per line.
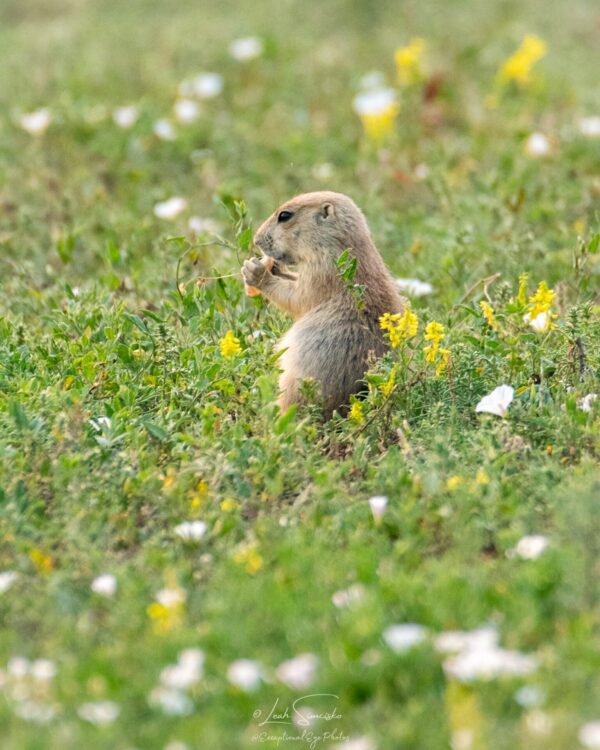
288	345
332	347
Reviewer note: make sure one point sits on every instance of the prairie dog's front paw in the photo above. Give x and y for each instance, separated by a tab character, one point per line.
254	272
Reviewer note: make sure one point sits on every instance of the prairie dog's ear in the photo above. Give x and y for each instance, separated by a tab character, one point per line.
327	210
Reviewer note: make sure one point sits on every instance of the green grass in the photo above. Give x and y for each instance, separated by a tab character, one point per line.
120	418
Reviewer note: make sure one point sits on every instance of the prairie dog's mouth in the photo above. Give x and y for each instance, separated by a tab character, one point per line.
280	270
282	260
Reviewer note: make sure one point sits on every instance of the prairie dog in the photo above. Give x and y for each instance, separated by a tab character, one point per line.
331	339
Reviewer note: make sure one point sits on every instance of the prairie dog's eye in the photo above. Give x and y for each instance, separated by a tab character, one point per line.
284	216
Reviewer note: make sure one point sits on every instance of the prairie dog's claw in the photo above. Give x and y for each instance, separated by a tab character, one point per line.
254	272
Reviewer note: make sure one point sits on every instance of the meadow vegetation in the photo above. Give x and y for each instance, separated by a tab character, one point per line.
176	555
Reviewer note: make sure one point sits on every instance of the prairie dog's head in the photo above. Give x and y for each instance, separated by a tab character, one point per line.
313	228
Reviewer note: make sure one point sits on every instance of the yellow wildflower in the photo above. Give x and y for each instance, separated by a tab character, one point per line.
168	478
199	495
488	314
519	65
522	293
540	302
377	111
164	619
453	482
409	62
444	357
482	477
196	501
249	556
167	611
434	332
229	504
378	126
229	345
388	386
356	413
43	563
399	326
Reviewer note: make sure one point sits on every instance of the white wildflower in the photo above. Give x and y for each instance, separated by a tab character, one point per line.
489	663
171	208
541	322
191	531
204	86
248	48
529	696
101	424
192	657
171	597
531	547
404	637
584	403
537	145
18	666
589	735
164	130
589	126
349	597
7	578
298	673
43	670
245	674
476	655
36	123
185	673
186	111
29	710
414	287
454	641
172	702
99	713
378	504
125	117
104	585
375	102
254	336
497	402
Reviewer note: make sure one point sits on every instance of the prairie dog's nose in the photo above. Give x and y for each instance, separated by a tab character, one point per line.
263	240
262	237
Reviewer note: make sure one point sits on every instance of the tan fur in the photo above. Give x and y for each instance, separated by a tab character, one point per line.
331	339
